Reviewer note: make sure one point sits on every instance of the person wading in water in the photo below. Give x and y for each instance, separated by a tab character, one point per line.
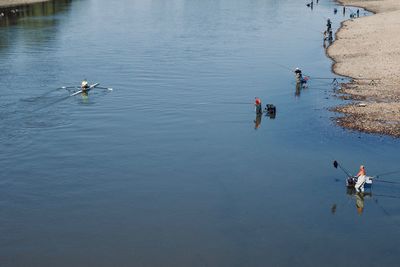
299	77
257	104
328	25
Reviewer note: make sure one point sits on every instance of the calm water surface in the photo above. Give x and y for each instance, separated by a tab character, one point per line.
168	169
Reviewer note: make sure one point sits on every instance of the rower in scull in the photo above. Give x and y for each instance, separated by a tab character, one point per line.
84	85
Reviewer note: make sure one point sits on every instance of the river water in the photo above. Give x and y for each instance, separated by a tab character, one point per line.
172	167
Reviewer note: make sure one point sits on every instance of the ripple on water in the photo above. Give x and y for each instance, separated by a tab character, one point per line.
19	119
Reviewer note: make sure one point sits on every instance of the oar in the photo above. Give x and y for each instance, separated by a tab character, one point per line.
336	165
66	87
77	93
106	88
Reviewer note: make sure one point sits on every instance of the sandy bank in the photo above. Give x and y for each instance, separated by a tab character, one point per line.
368	47
10	3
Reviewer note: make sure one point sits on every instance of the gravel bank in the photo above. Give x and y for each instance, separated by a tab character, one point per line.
367	50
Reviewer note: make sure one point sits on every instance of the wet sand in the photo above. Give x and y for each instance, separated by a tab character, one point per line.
10	3
367	50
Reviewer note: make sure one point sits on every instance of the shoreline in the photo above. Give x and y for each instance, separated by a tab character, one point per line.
15	3
366	50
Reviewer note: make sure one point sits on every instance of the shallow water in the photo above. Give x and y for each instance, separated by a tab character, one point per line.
168	168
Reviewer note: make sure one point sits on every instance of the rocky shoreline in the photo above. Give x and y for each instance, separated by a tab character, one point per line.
366	50
12	3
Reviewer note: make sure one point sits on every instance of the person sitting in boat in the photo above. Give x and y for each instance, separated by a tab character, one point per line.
84	85
361	179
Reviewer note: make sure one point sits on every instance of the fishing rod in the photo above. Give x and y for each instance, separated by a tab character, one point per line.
327	78
283	66
336	165
377	177
290	69
368	79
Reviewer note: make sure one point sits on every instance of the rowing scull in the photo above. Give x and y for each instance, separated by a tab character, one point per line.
85	90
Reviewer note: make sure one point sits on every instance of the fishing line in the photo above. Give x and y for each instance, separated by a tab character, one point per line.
385	181
386	212
388	196
336	164
387	173
283	66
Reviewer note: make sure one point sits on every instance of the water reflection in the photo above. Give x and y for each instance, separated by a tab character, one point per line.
30	17
359	198
269	111
298	90
257	121
360	202
11	15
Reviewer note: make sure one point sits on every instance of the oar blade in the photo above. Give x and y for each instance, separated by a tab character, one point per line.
105	88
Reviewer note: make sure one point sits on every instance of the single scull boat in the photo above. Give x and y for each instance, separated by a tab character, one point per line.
85	90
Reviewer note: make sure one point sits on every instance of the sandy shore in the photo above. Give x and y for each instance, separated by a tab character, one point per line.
10	3
368	48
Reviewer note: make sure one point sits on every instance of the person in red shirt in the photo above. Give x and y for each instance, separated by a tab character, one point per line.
258	105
